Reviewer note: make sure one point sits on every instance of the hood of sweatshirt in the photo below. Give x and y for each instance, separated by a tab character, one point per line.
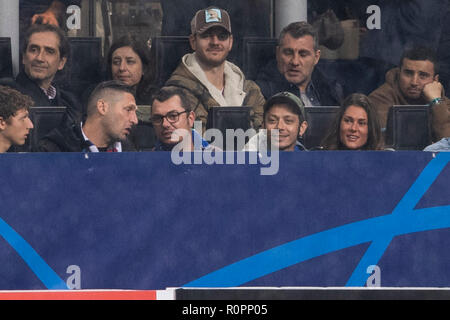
233	93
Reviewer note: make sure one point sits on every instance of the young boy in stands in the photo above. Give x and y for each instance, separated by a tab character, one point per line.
15	125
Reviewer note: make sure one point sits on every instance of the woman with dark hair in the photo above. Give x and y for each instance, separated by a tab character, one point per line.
356	126
128	60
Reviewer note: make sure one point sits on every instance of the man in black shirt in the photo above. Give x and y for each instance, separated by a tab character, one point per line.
111	114
45	52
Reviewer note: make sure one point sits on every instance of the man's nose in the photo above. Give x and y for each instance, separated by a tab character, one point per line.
40	56
134	120
295	60
280	125
30	124
415	79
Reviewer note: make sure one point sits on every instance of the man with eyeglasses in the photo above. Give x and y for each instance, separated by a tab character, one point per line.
173	119
111	115
206	77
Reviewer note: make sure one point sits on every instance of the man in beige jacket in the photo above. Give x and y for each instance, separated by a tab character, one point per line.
415	82
206	77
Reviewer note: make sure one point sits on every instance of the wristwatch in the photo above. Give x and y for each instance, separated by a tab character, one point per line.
435	101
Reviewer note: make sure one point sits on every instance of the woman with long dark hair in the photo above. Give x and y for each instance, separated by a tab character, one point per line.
356	126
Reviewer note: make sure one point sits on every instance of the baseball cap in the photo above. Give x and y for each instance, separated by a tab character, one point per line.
210	17
287	98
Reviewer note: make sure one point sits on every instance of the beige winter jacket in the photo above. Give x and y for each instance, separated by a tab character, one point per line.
203	95
389	94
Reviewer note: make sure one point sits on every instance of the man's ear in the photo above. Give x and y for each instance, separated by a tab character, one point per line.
2	124
317	56
102	106
278	58
62	63
436	77
302	129
192	42
231	41
191	118
277	52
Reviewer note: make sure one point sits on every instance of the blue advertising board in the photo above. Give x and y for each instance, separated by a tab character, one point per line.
139	221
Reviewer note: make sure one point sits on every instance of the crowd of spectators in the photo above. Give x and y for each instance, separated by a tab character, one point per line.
104	118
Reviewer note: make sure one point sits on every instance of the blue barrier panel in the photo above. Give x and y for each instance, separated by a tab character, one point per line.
138	221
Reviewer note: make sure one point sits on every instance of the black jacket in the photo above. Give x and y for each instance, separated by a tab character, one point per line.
63	97
271	81
67	137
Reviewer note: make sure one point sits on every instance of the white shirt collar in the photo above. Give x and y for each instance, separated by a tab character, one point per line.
93	147
50	92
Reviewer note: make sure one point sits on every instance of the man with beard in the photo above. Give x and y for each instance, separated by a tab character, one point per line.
111	114
172	119
206	77
415	82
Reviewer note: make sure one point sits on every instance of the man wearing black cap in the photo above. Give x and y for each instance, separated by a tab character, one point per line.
284	112
206	77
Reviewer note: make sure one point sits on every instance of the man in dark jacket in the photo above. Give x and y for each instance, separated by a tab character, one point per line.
44	53
111	115
294	71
